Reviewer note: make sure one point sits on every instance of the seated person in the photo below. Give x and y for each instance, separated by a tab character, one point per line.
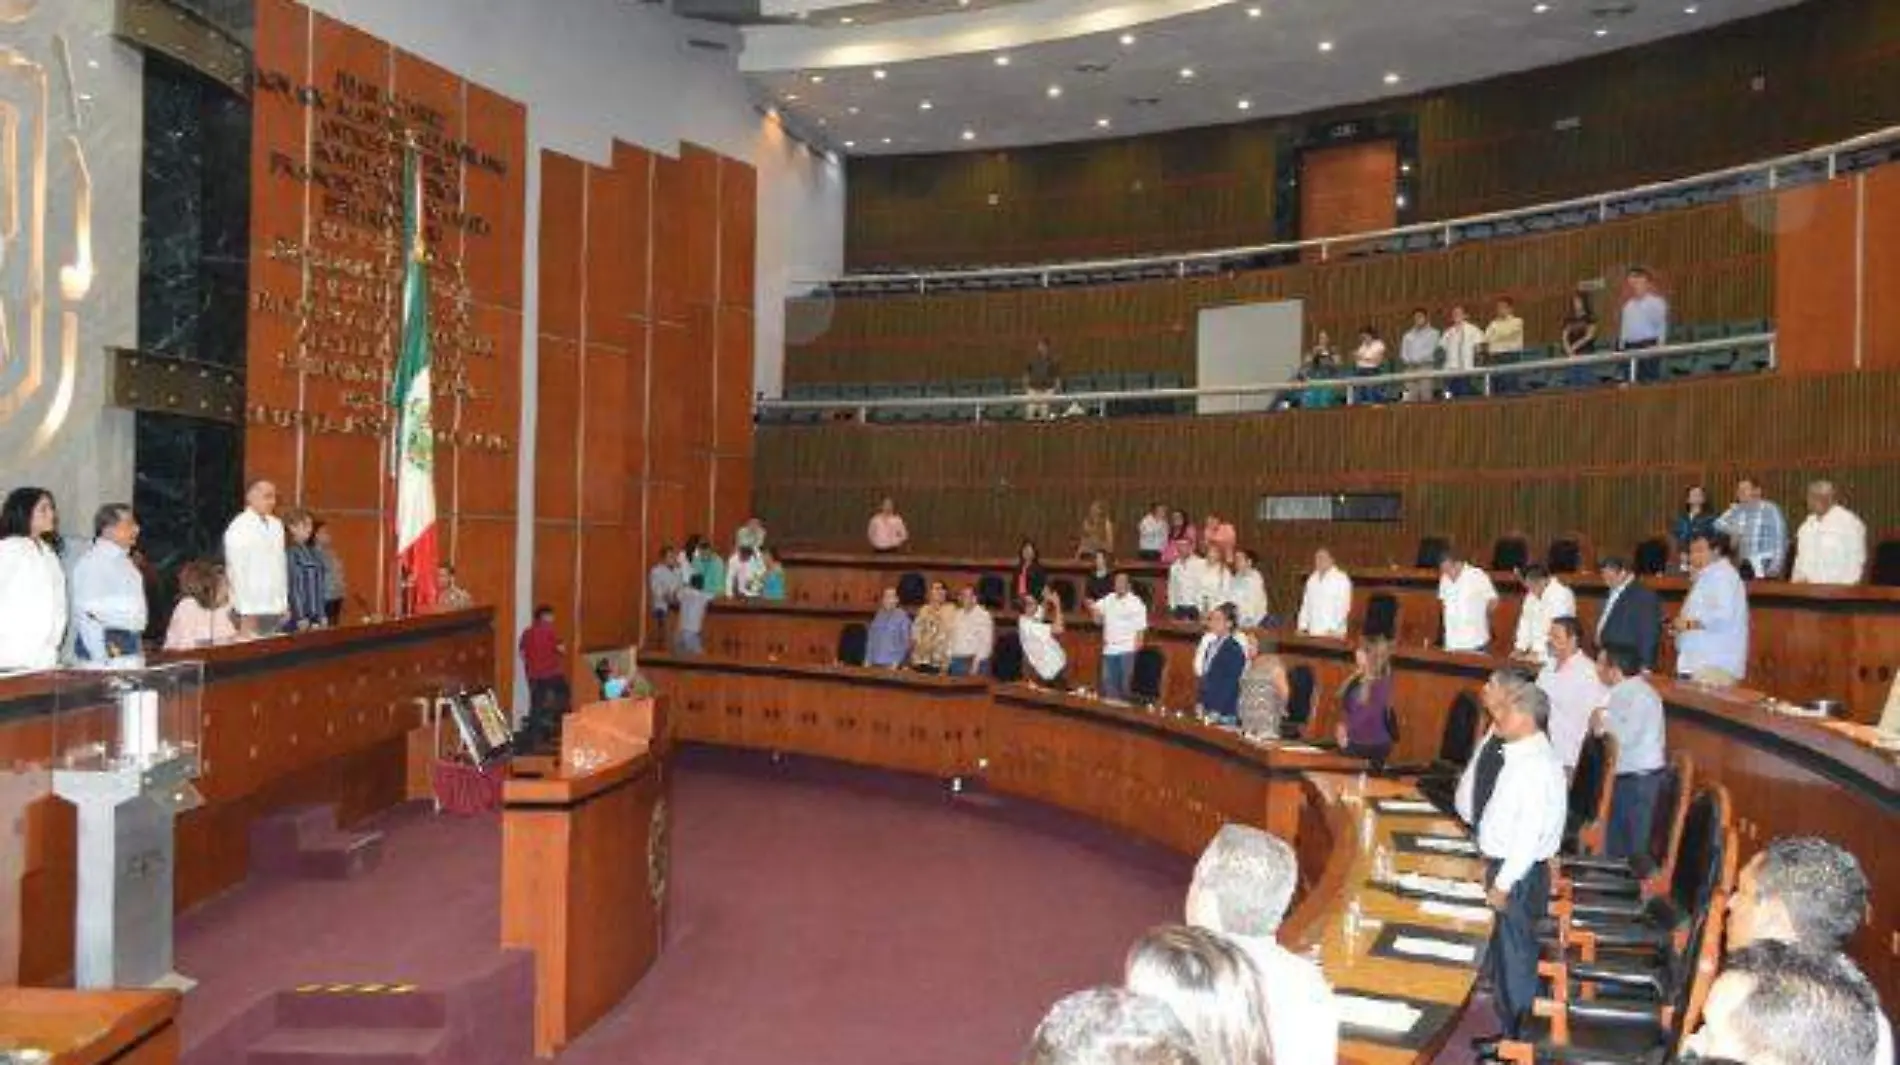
203	616
888	645
1039	628
1364	700
1264	691
745	575
772	588
1775	1004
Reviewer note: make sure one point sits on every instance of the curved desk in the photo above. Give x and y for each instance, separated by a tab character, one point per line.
1167	778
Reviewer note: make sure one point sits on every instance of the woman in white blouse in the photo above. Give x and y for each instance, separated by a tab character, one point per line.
32	582
1247	589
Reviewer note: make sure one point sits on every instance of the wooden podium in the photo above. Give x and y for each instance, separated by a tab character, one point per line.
121	1027
584	867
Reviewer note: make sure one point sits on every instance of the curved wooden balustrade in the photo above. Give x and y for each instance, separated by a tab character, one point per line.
1168	778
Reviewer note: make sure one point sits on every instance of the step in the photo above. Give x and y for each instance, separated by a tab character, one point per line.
277	838
362	1006
348	1046
340	856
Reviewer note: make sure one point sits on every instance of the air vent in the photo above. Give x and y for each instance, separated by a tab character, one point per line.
1622	10
1091	68
705	45
1143	101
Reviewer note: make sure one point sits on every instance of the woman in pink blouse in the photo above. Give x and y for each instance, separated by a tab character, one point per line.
886	531
202	617
1183	537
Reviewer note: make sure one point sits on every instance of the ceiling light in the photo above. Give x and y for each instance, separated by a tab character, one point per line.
824	121
879	74
1401	200
790	96
1691	9
1002	60
969	134
1245	104
1102	122
886	140
846	21
1391	78
1602	31
963	3
924	105
1540	9
1054	91
817	79
1325	46
1187	73
852	110
851	144
1128	40
1253	12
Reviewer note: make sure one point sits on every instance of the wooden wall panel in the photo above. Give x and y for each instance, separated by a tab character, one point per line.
1349	189
1814	277
603	444
1782	81
731	424
1881	284
610	572
637	166
563	245
557	440
611	258
1612	464
738	232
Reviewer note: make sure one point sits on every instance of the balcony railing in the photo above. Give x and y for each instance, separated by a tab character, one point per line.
1754	352
1815	164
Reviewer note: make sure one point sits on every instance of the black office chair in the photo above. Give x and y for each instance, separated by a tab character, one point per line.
1065	593
1299	702
1431	551
992	591
1565	555
1382	615
1510	553
1438	782
1151	671
912	589
853	641
1886	568
1651	557
1144	591
1006	662
1586	820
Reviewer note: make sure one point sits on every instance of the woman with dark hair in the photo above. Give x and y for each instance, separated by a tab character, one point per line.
1580	326
306	572
1696	519
1183	537
202	617
1101	578
1364	700
1030	578
32	583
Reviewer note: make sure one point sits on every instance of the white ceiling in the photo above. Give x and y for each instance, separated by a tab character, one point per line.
823	73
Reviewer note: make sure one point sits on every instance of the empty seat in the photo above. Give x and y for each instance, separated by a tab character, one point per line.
1651	557
1511	553
992	591
912	589
853	641
1150	674
1431	551
1299	701
1382	615
1006	663
1886	567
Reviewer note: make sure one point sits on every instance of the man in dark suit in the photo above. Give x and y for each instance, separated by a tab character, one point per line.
1219	662
1632	614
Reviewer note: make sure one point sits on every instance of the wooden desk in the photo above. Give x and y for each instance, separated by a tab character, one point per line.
314	718
820	579
584	868
91	1027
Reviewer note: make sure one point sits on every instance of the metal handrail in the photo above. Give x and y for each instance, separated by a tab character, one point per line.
1098	402
923	279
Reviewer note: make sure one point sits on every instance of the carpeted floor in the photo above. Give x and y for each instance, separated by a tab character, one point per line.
820	915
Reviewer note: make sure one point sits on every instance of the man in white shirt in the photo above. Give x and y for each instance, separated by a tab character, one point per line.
745	574
1151	534
1512	793
1418	351
1247	590
1569	680
1187	580
255	562
1545	600
1712	629
108	599
1327	602
1124	619
1831	546
1039	631
663	590
1633	713
1469	597
1460	343
972	636
1243	884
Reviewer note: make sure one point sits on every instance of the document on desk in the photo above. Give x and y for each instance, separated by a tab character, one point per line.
1406	806
1445	845
1422	947
1474	914
1440	886
1376	1014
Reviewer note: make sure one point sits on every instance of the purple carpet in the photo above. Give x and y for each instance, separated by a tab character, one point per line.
820	915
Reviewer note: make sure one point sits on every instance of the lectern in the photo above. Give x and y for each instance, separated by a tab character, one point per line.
125	754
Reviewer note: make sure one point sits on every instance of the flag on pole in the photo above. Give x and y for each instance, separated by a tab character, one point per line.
414	445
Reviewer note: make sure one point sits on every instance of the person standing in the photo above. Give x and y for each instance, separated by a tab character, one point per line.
772	588
1460	343
1247	590
1039	630
336	586
1712	629
1186	578
694	600
1831	545
1545	600
1218	533
886	531
887	640
1098	531
1365	700
972	636
1645	322
32	582
1042	379
745	575
450	595
1124	620
1513	795
751	534
1219	662
1696	518
1100	583
1327	602
109	608
1151	536
1633	713
1030	577
1183	537
1632	614
544	660
1580	326
1469	598
663	589
256	562
305	572
1505	334
1570	681
1418	352
1757	528
930	633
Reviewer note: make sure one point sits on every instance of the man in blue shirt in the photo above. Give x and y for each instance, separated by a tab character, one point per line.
1712	630
108	598
1757	528
888	645
1645	320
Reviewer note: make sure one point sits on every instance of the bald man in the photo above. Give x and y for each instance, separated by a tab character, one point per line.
1831	546
255	562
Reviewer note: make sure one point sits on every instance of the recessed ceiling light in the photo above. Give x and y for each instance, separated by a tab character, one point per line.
791	96
1102	122
1054	91
851	144
924	105
1253	12
1002	60
1187	73
969	134
1325	46
852	110
824	121
817	79
879	74
1391	78
885	140
1401	200
1691	9
1245	104
1602	31
846	21
1128	39
1540	9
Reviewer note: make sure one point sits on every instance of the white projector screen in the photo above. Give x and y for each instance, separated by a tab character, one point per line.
1247	344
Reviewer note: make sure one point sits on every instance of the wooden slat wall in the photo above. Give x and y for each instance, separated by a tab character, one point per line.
1829	69
644	427
1612	464
1715	263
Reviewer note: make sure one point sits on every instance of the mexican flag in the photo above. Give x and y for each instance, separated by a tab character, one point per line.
413	448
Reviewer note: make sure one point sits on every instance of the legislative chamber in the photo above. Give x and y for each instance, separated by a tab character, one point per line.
1031	532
